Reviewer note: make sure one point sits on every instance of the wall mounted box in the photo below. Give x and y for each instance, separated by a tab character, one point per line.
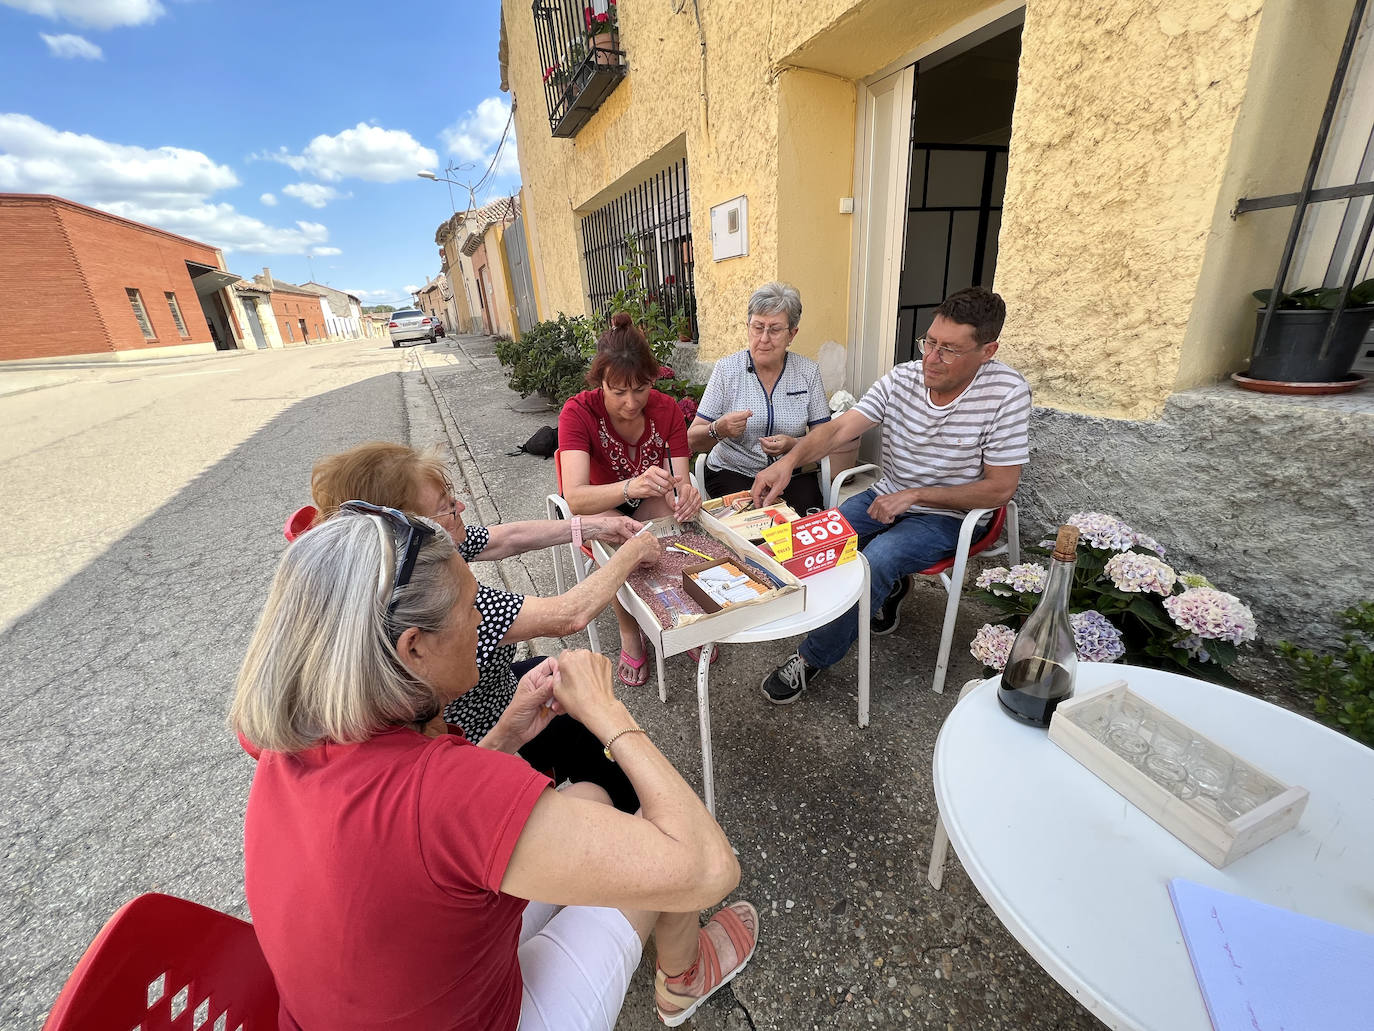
730	229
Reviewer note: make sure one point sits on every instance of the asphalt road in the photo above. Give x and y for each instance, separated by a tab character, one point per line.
144	513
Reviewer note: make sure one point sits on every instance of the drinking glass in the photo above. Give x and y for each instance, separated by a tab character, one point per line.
1125	730
1246	790
1210	768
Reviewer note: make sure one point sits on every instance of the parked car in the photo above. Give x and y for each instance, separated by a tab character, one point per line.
439	326
411	325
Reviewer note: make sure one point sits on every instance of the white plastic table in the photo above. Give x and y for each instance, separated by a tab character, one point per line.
1080	876
828	596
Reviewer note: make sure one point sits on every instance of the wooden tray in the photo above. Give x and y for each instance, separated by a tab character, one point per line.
1197	822
716	626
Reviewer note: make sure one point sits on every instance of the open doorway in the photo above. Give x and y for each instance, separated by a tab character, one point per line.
960	130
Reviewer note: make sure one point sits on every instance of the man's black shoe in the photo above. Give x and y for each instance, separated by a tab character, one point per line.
885	620
786	683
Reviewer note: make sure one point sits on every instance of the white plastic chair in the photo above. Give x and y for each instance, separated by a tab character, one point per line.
953	570
582	559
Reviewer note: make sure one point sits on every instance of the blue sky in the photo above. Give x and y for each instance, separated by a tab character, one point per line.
286	133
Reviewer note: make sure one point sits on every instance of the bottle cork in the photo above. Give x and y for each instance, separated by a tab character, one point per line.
1066	543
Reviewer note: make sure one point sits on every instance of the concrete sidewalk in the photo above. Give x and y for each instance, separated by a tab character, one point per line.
832	824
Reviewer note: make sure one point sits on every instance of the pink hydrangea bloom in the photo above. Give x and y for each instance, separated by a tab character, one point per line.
1140	574
1211	614
992	644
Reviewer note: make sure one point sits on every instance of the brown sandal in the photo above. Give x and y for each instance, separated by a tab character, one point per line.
678	997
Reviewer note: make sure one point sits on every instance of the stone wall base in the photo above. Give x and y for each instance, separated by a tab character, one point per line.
1267	496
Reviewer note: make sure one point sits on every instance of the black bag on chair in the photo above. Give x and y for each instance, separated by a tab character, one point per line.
544	443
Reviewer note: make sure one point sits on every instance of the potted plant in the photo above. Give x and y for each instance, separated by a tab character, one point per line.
602	29
1293	352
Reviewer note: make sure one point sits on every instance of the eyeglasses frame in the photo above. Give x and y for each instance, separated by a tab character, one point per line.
416	535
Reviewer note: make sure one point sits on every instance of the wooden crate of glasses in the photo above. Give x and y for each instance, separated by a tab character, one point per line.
1216	802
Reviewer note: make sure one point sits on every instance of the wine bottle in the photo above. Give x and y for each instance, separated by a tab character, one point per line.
1043	660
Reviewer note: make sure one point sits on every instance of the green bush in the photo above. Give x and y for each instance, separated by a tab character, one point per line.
551	359
1343	684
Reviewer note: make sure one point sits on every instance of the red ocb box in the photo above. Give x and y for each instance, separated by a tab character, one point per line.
814	544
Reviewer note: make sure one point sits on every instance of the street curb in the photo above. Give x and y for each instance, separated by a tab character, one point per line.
512	570
5	392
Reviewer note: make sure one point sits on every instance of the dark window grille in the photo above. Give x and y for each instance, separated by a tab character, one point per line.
580	70
656	215
140	313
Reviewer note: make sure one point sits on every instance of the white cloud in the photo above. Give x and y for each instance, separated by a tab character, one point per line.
97	14
168	187
411	289
67	45
325	252
474	138
314	194
363	294
364	152
269	199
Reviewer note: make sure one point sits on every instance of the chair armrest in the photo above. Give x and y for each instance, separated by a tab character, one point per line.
699	475
833	497
561	505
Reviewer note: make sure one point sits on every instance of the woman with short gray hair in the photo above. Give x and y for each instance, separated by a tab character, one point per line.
388	864
759	401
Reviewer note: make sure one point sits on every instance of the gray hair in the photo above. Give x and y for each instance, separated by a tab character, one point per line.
774	299
322	664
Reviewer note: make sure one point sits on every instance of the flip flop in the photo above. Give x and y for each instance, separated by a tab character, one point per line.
695	654
634	672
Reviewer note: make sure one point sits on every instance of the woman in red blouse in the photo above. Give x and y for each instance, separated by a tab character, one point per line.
624	448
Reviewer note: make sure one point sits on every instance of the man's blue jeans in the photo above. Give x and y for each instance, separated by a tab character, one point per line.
912	542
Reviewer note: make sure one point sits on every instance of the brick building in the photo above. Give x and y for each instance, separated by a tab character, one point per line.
300	319
87	283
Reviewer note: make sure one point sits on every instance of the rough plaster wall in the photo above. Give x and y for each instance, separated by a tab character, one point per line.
1124	117
1266	496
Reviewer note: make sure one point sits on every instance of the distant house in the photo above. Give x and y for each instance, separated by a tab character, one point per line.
96	286
298	312
341	311
486	250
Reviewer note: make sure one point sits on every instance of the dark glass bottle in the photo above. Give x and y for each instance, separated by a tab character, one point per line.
1043	660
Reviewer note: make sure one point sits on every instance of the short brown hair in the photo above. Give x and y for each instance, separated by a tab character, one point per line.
622	356
379	473
978	307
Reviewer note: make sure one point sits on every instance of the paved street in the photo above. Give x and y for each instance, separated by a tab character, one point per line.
144	512
150	502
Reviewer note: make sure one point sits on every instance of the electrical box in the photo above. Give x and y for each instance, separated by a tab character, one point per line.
730	229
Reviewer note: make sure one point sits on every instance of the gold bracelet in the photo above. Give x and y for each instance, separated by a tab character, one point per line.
616	737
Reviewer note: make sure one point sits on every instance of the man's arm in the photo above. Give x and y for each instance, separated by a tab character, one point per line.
993	490
837	434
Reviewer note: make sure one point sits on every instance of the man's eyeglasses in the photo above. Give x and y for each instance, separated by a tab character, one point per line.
940	351
758	329
404	556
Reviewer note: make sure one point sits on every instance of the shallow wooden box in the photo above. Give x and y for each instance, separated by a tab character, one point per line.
1196	822
698	594
716	626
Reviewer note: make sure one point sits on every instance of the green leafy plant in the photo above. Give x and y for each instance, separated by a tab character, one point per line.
595	24
551	359
642	305
1317	298
1342	684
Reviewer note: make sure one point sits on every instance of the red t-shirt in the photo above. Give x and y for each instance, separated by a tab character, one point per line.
373	873
583	425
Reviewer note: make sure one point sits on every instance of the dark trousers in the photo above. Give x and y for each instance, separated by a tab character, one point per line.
567	750
803	492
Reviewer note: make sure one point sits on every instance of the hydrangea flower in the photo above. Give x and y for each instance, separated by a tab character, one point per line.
1140	574
688	407
1103	531
1150	544
1094	637
992	644
1194	646
1194	580
991	577
1212	614
1027	577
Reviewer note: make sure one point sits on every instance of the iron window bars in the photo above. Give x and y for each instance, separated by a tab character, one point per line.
656	216
580	70
1307	196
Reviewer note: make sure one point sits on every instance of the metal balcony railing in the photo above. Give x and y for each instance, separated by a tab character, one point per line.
579	51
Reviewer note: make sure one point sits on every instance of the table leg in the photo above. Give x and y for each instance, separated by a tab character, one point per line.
708	777
864	606
662	682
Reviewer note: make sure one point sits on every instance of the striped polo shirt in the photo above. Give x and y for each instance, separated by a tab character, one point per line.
925	445
797	403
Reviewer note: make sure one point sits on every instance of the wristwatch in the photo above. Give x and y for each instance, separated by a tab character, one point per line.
577	533
711	431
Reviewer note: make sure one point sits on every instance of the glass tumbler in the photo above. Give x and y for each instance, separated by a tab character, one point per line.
1246	790
1210	768
1125	733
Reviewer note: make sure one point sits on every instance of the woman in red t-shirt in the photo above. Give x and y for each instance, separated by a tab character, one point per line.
387	864
624	448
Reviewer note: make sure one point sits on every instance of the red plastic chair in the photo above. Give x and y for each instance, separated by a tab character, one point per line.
163	963
952	570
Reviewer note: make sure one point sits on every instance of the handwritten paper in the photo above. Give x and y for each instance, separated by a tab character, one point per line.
1262	968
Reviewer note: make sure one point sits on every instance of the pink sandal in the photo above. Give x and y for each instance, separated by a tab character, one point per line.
632	672
678	997
695	654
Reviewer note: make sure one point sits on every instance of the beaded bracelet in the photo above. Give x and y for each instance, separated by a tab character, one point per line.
617	736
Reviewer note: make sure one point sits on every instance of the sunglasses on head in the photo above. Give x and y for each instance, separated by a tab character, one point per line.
416	535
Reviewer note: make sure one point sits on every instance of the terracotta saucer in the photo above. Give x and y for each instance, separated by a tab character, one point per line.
1343	385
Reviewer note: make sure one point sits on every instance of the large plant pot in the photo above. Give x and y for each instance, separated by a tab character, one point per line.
1292	352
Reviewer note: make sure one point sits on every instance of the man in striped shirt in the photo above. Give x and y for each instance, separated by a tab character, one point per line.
954	439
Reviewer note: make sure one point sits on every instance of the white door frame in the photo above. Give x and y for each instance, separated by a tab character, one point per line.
878	245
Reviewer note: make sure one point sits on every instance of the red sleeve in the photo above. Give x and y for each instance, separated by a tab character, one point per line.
473	807
576	429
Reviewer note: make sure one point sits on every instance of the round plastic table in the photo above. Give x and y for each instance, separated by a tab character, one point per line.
1080	876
